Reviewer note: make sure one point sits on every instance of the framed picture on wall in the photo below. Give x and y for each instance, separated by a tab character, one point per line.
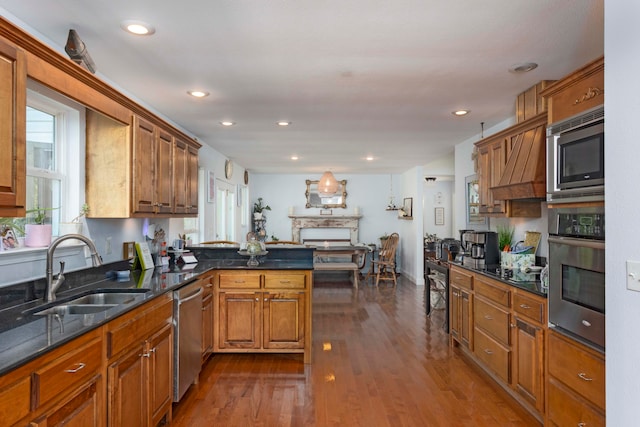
439	216
211	187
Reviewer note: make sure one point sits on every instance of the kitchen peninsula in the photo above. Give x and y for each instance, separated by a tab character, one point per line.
55	363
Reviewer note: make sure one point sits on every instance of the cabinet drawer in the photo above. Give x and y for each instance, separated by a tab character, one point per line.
134	327
578	367
239	280
530	307
67	372
567	409
493	355
492	320
285	281
493	290
15	400
461	278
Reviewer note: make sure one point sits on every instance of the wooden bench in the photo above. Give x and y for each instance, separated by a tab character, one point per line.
339	266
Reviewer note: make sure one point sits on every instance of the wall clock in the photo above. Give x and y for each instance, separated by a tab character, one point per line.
246	177
228	169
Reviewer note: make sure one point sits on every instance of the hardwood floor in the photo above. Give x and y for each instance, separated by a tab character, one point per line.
377	361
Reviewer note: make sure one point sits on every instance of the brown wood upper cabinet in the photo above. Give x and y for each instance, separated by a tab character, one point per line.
147	169
13	93
512	170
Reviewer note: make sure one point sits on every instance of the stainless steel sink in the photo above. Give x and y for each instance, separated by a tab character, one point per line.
77	309
106	298
94	303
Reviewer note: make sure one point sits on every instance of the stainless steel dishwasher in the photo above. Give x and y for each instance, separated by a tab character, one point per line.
187	340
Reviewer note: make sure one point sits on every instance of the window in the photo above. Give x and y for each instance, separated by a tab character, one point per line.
55	154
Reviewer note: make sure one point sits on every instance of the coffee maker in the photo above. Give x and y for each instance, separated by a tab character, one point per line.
481	250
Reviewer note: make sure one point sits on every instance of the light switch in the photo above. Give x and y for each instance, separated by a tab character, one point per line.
633	275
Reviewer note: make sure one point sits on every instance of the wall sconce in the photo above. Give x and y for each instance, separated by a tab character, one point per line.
328	185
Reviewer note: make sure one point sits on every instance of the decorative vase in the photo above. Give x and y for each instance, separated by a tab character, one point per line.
70	228
37	235
257	215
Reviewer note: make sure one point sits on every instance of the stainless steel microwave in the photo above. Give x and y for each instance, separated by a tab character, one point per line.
575	158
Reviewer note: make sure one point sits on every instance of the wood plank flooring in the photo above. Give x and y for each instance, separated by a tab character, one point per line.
377	361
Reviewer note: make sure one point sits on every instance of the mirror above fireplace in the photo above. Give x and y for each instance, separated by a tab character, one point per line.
315	200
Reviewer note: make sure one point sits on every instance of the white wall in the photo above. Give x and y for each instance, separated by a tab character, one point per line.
440	194
622	109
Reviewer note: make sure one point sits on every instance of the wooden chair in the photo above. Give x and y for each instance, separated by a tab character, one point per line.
385	266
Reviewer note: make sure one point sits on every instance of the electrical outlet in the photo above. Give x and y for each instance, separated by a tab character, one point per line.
108	250
633	275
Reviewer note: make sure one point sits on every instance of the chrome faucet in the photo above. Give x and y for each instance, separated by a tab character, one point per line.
54	284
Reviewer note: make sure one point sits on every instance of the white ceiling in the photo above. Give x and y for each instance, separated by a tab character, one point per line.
355	77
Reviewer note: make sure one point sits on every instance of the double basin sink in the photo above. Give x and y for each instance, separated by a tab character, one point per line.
92	303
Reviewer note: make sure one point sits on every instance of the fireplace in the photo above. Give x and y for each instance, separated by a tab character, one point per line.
347	222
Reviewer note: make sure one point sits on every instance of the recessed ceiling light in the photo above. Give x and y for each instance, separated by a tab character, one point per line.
283	123
227	123
369	158
460	112
139	28
523	68
198	93
294	157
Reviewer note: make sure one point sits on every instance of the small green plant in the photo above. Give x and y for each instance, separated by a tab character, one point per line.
505	237
84	211
258	206
39	215
274	238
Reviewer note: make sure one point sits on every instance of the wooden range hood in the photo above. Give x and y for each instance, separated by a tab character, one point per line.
524	175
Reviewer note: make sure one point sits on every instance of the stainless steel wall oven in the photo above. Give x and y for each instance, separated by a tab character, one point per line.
576	272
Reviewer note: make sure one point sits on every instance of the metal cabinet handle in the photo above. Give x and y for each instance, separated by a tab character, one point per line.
285	281
489	352
582	424
257	299
486	316
266	299
78	366
584	377
525	306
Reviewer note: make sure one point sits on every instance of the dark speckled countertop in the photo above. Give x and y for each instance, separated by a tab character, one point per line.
533	286
25	336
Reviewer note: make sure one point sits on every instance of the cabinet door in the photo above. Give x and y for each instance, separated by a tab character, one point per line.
239	320
192	182
180	177
159	351
207	326
127	391
283	320
466	318
15	397
454	312
164	172
84	408
144	166
528	372
13	146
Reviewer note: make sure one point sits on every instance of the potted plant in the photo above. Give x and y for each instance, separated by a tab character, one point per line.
37	233
505	237
258	208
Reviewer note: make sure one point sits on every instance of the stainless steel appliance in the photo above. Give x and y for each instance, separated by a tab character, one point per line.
187	338
482	250
447	249
575	158
576	272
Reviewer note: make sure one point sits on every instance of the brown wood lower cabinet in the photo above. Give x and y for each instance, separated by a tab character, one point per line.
507	333
267	311
576	383
140	362
62	387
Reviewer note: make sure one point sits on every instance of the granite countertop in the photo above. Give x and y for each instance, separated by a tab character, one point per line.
25	335
533	286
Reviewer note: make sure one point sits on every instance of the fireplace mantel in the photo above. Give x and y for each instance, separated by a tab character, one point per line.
299	222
